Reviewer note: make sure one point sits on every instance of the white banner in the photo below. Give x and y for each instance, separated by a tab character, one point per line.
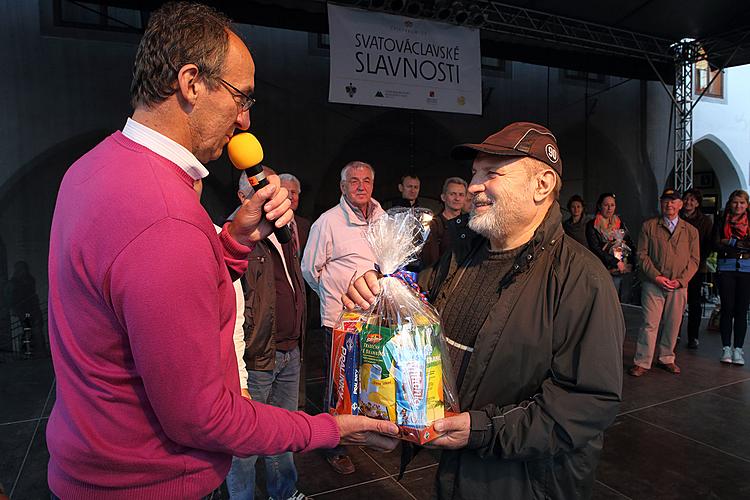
401	62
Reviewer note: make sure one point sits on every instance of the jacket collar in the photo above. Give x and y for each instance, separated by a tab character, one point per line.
547	235
680	222
698	215
355	215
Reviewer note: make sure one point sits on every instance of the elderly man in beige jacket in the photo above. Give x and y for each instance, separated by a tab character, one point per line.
669	253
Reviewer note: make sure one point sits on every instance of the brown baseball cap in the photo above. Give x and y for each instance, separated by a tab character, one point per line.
517	139
670	194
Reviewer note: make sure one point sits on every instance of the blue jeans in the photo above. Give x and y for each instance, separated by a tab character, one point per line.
279	387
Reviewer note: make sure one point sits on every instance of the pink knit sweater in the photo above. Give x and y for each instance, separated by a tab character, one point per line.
141	314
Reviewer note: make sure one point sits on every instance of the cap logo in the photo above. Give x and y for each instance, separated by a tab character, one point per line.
551	153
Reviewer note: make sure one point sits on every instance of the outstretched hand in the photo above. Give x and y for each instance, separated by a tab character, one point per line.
455	432
357	430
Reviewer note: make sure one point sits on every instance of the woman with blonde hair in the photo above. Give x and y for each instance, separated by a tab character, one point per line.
732	240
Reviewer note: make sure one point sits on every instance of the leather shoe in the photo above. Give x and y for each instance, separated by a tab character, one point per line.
341	464
637	371
670	367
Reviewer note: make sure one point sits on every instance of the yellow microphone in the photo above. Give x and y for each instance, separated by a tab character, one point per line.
246	153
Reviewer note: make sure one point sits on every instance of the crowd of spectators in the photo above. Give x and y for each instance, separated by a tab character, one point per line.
670	261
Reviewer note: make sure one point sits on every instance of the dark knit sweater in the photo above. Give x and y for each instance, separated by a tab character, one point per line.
467	305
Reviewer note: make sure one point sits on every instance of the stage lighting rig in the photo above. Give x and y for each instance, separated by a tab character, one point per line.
460	15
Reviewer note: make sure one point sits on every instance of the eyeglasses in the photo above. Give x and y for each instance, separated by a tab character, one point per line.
245	101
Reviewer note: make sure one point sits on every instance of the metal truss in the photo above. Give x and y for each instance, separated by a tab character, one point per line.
553	30
685	54
549	28
518	21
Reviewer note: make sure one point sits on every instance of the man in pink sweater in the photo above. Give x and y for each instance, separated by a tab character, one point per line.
141	303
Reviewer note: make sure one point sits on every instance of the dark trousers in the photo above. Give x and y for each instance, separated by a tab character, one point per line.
695	311
734	290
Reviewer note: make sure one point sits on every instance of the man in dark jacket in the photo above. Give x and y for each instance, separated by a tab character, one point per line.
534	329
409	189
275	319
450	224
691	213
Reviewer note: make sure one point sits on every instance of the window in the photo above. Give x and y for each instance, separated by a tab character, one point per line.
319	44
571	74
89	15
703	76
493	63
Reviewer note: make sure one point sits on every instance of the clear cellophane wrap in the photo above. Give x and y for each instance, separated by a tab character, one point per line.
391	362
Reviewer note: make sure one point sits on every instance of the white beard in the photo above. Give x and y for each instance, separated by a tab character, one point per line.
501	218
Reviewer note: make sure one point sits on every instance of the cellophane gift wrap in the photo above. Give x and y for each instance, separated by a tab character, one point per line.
391	362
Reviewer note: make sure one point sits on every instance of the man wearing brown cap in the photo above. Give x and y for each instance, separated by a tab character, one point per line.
534	330
669	253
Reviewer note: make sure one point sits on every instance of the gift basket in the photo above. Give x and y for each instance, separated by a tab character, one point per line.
391	362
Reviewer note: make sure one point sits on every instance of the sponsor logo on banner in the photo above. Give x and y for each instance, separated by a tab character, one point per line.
387	60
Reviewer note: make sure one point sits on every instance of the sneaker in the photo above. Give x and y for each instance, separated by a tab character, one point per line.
738	357
726	354
299	496
693	344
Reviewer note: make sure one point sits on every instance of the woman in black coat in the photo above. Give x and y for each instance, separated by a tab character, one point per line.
609	239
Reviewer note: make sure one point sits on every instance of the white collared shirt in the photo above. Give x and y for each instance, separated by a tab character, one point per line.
166	147
671	223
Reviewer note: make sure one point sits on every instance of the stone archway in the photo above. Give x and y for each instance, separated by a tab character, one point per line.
713	161
715	172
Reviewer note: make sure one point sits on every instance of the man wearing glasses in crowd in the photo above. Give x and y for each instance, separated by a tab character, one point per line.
141	302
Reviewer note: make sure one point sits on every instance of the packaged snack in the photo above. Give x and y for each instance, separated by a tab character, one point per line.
343	391
377	393
405	370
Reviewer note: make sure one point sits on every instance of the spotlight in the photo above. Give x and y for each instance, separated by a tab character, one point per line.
396	5
414	9
459	13
442	11
476	16
428	8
